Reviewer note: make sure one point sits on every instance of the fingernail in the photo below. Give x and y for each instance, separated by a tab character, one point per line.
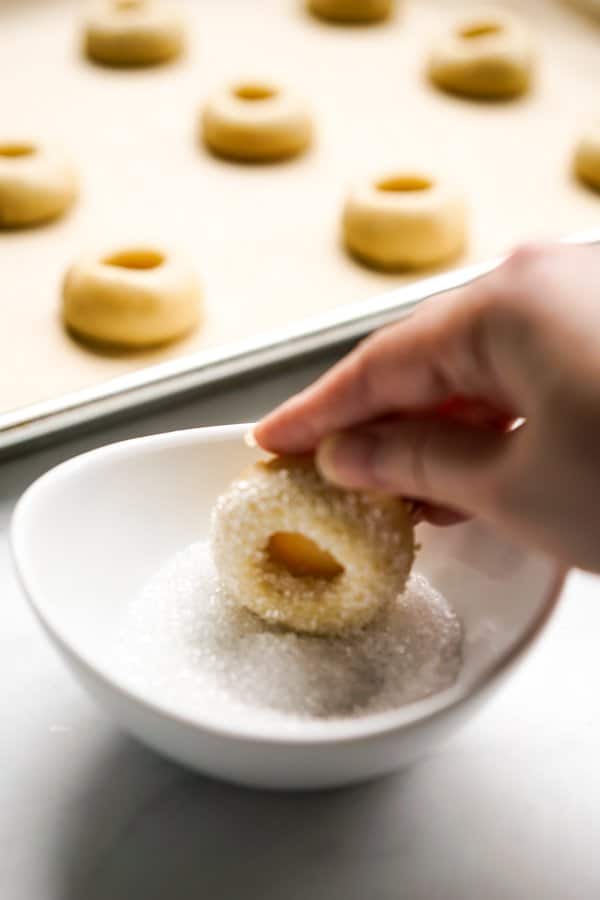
346	458
250	439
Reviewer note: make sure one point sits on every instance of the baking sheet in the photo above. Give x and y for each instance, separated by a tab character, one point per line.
265	238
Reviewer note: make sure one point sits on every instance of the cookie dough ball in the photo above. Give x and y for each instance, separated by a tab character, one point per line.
37	183
308	556
587	157
131	298
486	55
133	32
253	121
406	220
353	11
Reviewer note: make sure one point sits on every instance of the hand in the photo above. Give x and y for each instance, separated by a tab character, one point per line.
424	407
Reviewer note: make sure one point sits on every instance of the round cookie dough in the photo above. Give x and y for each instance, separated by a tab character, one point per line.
253	121
587	157
487	55
405	220
306	555
37	183
135	297
353	11
133	32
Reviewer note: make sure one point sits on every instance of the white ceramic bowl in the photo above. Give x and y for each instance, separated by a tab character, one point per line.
88	534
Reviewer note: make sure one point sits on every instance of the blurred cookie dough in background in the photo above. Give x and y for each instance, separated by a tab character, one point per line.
256	121
38	182
133	32
405	220
486	54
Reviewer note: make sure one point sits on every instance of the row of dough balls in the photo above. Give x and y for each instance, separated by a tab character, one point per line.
487	54
139	297
256	122
145	32
377	10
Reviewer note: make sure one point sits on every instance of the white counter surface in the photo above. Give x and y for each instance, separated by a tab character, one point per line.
510	808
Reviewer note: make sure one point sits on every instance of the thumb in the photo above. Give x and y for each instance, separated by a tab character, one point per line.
441	462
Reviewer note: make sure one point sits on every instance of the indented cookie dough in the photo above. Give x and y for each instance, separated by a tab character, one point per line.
404	220
256	121
587	157
135	297
133	32
354	11
487	54
308	556
37	183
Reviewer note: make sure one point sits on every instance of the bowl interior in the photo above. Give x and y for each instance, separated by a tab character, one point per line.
90	533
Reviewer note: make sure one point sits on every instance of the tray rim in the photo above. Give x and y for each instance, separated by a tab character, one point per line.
48	419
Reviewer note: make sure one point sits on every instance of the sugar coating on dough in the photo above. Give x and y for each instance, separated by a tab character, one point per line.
486	53
369	535
133	32
37	183
256	121
404	220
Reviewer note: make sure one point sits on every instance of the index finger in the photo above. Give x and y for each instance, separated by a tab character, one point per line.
400	368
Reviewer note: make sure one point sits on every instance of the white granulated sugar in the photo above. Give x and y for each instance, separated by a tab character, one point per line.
187	645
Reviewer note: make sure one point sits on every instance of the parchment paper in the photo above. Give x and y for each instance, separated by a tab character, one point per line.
265	238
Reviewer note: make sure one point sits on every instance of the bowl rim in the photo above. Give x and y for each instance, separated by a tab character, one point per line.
327	731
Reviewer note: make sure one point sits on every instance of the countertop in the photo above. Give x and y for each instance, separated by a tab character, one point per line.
509	808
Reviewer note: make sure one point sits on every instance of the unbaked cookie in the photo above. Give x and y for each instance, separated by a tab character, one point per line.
306	555
134	297
37	183
587	157
487	54
406	220
351	10
253	121
133	32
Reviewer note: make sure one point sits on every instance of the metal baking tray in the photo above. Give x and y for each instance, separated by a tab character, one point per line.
264	238
199	370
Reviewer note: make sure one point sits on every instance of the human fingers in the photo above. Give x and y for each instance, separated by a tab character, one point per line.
442	463
423	363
